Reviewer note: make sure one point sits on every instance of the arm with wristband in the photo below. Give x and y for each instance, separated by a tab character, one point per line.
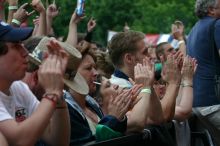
144	109
185	98
58	131
172	75
12	8
20	15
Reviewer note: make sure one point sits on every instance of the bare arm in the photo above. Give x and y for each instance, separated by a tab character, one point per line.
58	132
3	141
36	26
13	3
72	34
143	111
178	34
184	107
170	73
21	15
33	127
39	7
169	101
52	12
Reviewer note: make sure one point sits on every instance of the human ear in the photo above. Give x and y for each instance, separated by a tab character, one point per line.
128	58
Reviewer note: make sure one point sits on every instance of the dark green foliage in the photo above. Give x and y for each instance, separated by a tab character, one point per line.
148	16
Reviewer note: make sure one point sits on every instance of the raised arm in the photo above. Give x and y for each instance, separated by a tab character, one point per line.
72	34
178	34
52	12
90	27
21	15
39	7
58	131
184	105
13	6
144	110
170	73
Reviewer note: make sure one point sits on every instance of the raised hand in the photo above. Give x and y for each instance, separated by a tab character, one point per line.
36	21
38	6
91	25
171	72
144	73
63	55
21	14
52	69
178	30
118	106
52	10
76	19
188	69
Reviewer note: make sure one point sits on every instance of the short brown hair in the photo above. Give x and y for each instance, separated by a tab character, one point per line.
121	43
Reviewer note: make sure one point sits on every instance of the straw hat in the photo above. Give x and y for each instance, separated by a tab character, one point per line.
72	79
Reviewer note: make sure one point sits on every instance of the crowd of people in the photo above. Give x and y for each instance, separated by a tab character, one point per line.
70	92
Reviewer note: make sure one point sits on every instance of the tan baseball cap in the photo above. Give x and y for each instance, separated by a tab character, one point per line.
72	79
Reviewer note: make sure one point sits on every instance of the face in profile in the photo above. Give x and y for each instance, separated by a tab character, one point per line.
107	89
14	63
87	69
142	51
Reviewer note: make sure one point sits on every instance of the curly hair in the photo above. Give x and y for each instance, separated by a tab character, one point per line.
104	64
202	6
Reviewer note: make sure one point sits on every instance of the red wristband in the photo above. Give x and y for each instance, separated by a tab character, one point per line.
52	97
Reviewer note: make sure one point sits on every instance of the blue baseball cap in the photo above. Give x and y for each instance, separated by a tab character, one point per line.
12	34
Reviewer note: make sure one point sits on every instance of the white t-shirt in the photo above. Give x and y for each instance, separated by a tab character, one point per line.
19	105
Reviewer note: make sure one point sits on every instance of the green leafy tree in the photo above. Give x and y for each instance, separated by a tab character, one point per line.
148	16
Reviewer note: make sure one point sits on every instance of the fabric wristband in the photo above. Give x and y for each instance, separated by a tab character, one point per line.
146	90
187	85
12	7
16	22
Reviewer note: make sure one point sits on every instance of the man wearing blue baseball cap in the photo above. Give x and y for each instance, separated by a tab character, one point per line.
12	34
23	119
